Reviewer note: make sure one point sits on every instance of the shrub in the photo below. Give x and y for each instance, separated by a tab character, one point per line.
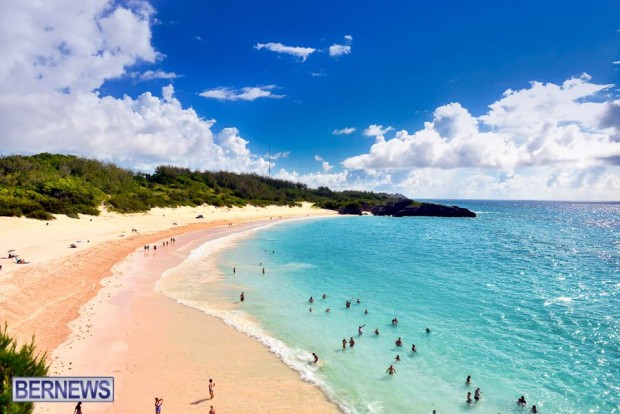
17	362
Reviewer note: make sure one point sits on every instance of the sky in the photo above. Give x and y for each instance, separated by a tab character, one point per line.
452	99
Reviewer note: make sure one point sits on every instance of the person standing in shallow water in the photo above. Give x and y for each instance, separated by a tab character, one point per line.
391	370
242	297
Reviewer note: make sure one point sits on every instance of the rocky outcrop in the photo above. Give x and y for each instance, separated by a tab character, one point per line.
407	207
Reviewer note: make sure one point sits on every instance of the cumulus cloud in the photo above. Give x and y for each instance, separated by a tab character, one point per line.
300	52
543	125
339	50
56	56
343	131
544	141
376	130
244	94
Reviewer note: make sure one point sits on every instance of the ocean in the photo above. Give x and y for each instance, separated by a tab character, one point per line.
523	298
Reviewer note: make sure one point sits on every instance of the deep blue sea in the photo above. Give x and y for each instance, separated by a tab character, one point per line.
524	299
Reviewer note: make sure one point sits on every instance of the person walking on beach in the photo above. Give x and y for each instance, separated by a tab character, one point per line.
391	370
242	297
212	410
78	408
211	386
158	404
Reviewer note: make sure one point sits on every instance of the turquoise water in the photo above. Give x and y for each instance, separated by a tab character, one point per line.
524	298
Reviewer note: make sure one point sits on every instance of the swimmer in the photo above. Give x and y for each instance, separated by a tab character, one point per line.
348	304
316	358
242	297
391	370
398	342
534	409
351	342
468	380
377	331
394	321
358	301
310	309
324	296
428	331
521	401
477	394
469	401
413	348
360	330
397	359
311	300
327	310
366	311
344	343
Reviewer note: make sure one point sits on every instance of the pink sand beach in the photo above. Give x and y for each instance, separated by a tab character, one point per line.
96	310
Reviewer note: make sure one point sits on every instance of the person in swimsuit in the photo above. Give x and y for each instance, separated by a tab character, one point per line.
391	370
242	297
469	401
521	401
158	403
468	380
351	342
344	343
399	342
377	331
211	386
316	358
477	395
413	348
534	409
78	408
212	410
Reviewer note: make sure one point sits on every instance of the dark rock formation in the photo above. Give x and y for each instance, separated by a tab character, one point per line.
407	207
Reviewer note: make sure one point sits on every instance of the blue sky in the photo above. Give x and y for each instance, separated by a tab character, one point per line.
453	99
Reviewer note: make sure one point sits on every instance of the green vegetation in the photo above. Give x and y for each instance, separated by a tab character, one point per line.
17	362
44	184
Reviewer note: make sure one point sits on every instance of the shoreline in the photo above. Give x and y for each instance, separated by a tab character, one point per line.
31	304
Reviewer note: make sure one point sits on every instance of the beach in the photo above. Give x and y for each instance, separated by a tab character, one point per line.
94	308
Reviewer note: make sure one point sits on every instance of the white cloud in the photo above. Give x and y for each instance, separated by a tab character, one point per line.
324	164
157	74
545	141
343	131
616	62
56	56
339	50
245	94
376	130
300	52
543	125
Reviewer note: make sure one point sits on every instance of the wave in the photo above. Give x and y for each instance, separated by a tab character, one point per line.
296	359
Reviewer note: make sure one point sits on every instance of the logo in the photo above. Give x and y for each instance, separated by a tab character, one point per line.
63	389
